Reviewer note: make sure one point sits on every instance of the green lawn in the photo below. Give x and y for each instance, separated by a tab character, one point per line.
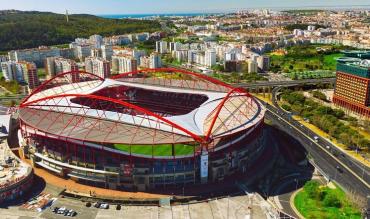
316	208
302	58
157	150
331	60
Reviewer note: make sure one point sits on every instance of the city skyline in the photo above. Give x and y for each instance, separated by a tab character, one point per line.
163	7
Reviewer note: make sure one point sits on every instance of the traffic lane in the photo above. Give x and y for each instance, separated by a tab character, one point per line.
360	165
326	162
361	172
360	169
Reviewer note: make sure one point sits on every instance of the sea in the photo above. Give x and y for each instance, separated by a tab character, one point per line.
139	16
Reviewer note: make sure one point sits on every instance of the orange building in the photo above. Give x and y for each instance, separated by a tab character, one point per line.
352	90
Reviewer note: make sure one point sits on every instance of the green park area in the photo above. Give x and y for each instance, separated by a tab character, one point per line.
157	150
334	122
310	74
305	58
316	201
235	77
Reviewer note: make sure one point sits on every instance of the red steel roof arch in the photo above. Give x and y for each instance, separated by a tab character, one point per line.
43	85
123	103
204	77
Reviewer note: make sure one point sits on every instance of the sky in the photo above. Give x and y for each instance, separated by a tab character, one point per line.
164	6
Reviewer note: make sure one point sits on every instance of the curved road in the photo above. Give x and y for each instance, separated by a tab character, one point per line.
340	169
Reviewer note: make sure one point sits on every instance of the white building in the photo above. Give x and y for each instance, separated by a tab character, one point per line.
210	58
107	52
57	65
97	66
83	51
123	64
96	41
155	60
181	55
252	66
263	63
161	47
137	54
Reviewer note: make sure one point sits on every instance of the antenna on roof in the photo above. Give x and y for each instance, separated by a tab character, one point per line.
67	16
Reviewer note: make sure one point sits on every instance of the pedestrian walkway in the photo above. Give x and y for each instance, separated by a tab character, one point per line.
86	190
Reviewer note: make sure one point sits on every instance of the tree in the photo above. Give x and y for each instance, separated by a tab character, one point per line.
331	200
345	138
312	189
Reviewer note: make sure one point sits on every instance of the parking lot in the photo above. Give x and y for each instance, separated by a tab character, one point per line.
238	207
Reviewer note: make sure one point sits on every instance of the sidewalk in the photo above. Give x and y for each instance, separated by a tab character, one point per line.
75	187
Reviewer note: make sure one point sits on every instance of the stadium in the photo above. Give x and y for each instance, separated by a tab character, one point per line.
142	130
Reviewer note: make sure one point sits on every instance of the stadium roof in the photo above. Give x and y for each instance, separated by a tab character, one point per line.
50	109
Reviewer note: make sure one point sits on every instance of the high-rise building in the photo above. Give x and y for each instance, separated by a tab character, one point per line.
83	51
181	55
263	63
352	89
161	47
252	66
142	37
155	60
233	66
36	55
137	54
95	52
124	64
174	46
31	76
97	66
107	52
96	41
210	58
57	65
145	61
8	70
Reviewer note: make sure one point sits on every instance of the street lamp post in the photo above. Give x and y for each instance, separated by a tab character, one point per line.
296	184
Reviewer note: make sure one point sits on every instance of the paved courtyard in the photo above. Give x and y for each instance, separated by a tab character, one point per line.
238	207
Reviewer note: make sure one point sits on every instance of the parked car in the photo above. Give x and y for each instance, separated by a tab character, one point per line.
104	206
97	205
71	213
61	210
55	210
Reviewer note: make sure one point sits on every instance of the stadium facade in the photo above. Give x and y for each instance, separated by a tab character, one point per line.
142	130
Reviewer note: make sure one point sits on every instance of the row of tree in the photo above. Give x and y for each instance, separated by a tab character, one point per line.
331	121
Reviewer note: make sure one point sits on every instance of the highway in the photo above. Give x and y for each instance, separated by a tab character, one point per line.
361	169
286	83
348	173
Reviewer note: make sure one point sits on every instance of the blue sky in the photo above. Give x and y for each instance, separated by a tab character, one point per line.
163	6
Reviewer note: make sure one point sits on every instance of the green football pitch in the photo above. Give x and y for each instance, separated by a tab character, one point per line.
156	150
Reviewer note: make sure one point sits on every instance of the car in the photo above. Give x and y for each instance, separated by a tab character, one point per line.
55	210
61	210
104	206
339	169
316	138
118	207
71	213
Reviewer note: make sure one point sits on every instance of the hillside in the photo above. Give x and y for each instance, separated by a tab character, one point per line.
19	29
